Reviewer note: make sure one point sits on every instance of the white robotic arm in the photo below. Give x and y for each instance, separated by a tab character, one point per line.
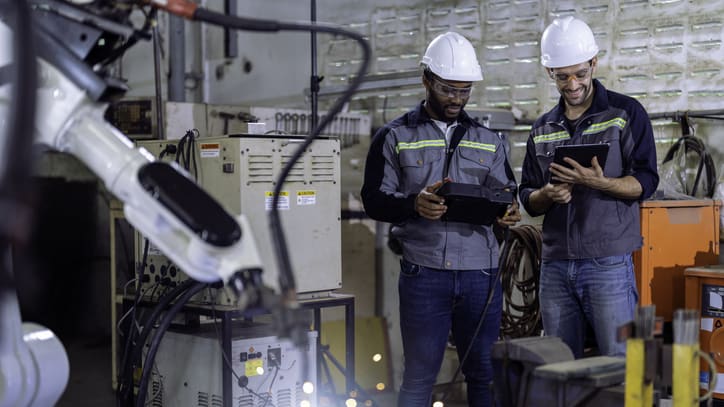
161	202
34	367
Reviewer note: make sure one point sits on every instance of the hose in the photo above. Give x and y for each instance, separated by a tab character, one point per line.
692	143
158	336
520	275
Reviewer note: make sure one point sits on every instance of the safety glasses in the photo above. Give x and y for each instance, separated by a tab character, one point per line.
449	91
579	75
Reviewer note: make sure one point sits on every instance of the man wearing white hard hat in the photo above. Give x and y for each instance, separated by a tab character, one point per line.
591	209
448	278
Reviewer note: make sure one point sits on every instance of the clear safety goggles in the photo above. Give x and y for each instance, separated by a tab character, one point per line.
450	91
579	75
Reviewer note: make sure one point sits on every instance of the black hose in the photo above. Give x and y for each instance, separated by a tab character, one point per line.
481	320
148	325
692	143
520	275
286	275
126	372
158	336
15	164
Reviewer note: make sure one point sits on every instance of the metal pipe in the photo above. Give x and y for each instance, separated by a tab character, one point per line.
157	82
706	114
314	80
176	59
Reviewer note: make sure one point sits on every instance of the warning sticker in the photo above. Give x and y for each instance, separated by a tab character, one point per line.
306	197
283	203
254	367
210	150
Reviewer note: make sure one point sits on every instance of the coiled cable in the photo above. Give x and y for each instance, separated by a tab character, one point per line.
520	275
694	144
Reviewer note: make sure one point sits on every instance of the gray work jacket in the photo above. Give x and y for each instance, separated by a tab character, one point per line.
593	224
409	154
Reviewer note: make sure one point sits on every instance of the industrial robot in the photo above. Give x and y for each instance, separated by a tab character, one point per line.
68	97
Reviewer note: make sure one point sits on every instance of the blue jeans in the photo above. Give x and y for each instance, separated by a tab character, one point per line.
600	291
432	302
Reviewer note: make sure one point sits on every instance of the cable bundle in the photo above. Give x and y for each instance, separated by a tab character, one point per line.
520	274
694	144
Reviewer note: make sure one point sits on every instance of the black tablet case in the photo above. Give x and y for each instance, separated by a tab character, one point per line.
582	153
471	203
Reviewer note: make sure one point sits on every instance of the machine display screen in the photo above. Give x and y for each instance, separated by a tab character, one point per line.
712	298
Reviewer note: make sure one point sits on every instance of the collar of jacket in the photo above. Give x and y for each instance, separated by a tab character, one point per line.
600	102
420	115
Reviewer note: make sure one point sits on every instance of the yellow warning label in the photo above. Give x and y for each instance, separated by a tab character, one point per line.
254	367
210	150
270	194
306	197
282	203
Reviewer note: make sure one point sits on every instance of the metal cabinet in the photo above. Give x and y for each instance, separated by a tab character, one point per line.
677	234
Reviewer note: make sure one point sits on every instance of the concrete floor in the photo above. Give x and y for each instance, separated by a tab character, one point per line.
90	378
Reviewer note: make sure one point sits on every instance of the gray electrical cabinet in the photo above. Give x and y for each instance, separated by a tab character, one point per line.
241	173
270	371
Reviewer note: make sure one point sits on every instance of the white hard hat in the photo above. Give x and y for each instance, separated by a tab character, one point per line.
567	41
452	57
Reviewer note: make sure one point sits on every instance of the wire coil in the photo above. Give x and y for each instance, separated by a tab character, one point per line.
520	274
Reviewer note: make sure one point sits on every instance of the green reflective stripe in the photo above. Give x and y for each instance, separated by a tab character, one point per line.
544	138
477	146
599	127
419	144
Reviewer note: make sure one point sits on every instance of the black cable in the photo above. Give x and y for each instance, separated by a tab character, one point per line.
286	280
186	152
520	275
140	34
481	320
286	275
126	374
148	325
692	143
158	336
15	187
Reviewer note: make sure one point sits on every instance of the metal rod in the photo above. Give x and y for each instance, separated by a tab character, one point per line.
176	59
314	80
706	114
231	46
157	80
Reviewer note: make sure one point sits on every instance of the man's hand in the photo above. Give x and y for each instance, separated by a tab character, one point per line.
591	177
511	217
429	205
558	193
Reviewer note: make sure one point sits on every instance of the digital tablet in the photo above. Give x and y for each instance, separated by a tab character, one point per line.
582	153
471	203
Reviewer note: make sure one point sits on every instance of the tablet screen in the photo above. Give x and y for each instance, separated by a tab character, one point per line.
582	153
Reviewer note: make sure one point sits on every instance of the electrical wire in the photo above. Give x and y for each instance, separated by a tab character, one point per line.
705	163
158	336
481	320
287	284
186	152
15	188
520	274
124	374
125	387
191	11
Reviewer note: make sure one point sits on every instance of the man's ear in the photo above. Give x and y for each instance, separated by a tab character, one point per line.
594	63
425	81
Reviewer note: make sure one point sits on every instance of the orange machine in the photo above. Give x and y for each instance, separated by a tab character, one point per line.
677	234
705	293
